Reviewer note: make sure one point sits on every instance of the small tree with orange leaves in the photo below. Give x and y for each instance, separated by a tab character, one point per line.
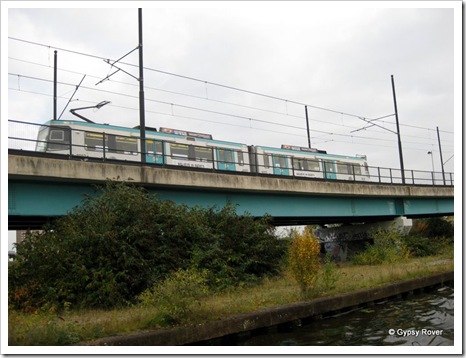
304	261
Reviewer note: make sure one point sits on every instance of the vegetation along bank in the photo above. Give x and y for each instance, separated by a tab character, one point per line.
126	262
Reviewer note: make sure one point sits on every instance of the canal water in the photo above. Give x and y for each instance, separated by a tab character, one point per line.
420	320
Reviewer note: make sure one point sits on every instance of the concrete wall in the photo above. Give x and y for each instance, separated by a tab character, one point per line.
39	168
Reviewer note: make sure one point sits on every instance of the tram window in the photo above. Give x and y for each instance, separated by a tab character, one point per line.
344	168
94	141
280	161
266	160
357	169
126	145
57	135
299	164
203	154
158	147
150	146
328	167
59	139
240	158
225	155
313	165
41	145
179	150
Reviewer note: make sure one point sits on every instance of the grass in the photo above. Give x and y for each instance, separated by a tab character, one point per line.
72	327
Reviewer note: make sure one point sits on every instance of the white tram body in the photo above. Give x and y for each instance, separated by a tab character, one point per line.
167	146
195	150
309	163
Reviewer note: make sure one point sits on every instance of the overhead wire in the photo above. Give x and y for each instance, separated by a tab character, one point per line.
229	103
196	79
324	133
223	123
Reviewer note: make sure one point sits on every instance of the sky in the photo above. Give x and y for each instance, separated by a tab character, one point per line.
244	71
336	58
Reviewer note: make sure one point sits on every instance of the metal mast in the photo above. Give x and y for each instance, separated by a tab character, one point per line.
308	132
142	119
400	151
441	157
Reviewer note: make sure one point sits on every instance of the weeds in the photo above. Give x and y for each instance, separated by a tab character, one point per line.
329	275
388	247
175	297
68	328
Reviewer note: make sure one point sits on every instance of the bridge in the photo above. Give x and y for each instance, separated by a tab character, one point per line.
42	187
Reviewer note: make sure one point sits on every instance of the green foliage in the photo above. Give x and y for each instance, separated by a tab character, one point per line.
439	227
430	237
176	296
329	276
421	246
304	261
388	247
237	249
117	244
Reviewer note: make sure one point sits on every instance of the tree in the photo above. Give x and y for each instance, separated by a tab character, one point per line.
119	243
304	261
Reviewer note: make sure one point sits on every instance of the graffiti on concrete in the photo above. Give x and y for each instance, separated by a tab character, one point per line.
342	242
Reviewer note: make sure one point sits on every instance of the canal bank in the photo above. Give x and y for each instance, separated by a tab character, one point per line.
247	324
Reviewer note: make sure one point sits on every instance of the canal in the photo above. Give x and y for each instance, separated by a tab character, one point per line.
421	320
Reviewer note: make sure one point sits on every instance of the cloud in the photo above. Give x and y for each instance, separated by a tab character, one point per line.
335	57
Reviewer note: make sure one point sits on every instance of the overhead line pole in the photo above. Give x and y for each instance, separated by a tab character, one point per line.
441	157
400	150
142	119
55	85
308	132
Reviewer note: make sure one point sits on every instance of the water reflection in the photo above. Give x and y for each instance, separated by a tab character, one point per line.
423	320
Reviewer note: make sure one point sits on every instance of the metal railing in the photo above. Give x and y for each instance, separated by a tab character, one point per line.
23	138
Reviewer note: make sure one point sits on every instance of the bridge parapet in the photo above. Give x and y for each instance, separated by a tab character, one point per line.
40	168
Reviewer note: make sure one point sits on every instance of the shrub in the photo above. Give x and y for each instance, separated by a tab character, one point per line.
439	227
176	296
118	243
329	275
388	247
304	261
430	237
237	249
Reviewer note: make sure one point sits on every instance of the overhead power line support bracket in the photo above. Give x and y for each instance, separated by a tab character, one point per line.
118	68
400	150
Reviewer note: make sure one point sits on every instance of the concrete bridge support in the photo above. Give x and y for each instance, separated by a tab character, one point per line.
343	241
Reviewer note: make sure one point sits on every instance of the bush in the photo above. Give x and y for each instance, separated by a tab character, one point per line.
439	227
237	249
176	296
330	275
430	237
119	243
388	247
304	261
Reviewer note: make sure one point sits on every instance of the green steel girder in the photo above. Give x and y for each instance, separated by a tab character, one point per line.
30	199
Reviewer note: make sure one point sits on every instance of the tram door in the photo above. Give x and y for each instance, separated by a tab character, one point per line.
225	159
154	150
330	169
280	165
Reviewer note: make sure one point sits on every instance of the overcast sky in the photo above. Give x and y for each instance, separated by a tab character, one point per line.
337	58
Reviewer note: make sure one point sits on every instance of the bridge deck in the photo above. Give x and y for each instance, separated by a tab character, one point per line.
46	187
